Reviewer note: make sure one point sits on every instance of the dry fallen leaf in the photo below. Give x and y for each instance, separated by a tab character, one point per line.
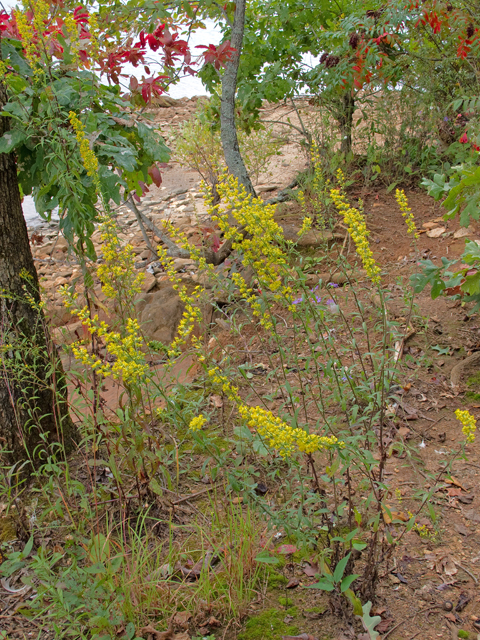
384	625
455	482
181	618
461	233
216	400
447	565
150	633
436	233
311	570
292	583
430	225
454	492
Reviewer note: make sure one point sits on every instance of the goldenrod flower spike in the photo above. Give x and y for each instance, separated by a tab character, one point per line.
281	436
469	424
357	228
89	158
407	214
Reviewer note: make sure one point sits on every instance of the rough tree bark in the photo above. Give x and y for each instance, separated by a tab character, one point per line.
29	406
231	151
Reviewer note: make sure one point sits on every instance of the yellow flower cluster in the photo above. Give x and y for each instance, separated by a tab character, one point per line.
407	214
117	272
197	423
129	361
226	386
469	424
192	313
282	437
27	36
357	228
94	34
41	10
258	238
89	158
301	200
72	30
306	226
190	317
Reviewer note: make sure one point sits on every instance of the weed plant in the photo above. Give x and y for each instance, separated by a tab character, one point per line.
300	455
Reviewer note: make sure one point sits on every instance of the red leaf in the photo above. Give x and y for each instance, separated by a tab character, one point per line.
155	175
287	549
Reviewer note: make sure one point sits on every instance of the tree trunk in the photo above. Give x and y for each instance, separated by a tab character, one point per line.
32	384
346	122
231	151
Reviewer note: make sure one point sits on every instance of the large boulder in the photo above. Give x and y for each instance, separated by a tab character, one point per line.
159	313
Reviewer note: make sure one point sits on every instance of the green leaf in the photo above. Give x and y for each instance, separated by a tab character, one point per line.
355	602
370	622
11	139
346	582
155	487
472	284
98	567
28	547
266	558
340	568
325	584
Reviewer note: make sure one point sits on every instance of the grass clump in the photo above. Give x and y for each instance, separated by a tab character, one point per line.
268	625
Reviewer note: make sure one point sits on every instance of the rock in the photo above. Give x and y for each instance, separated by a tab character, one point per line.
436	233
58	315
149	283
183	263
159	314
68	334
461	233
164	101
312	239
60	244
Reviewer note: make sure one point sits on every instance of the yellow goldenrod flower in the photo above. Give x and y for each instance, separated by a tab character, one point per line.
94	35
197	423
27	36
89	158
407	214
281	436
357	228
258	238
469	424
306	226
301	200
117	272
72	30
